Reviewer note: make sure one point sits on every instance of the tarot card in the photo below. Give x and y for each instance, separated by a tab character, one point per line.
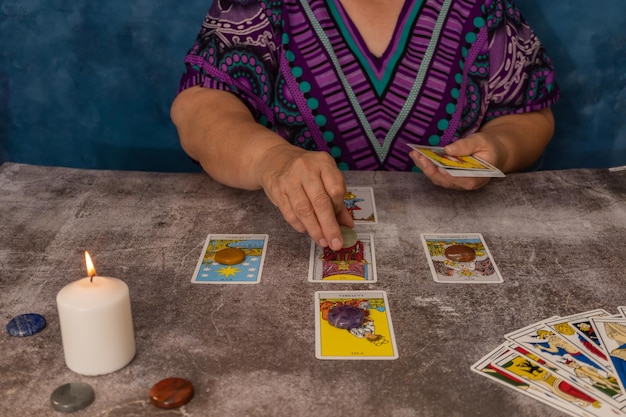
586	328
460	258
554	385
353	325
211	269
458	166
354	264
519	383
360	204
571	363
612	333
576	329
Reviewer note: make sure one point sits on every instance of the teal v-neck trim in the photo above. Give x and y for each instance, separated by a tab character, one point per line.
382	150
380	82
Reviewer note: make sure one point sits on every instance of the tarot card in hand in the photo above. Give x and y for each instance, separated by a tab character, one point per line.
360	204
354	264
215	268
353	325
460	258
458	166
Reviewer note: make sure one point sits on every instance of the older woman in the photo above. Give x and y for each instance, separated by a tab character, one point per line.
283	95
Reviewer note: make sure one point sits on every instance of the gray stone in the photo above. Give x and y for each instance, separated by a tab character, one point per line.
72	397
349	236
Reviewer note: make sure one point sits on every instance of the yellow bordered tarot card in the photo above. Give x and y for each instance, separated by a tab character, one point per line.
458	166
353	325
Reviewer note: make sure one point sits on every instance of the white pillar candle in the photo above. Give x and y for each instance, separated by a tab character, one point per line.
96	324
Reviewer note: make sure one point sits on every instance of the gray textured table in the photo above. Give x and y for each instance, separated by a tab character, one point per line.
557	237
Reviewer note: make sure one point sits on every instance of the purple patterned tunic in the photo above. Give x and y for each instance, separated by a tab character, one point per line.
304	71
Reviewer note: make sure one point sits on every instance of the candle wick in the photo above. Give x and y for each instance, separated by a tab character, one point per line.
91	278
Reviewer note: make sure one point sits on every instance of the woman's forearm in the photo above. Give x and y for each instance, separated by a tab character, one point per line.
217	130
521	138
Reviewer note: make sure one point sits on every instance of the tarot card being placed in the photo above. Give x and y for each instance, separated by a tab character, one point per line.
231	259
360	204
460	258
353	325
354	264
458	166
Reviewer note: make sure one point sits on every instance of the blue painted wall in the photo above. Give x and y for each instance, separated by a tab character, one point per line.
587	42
89	84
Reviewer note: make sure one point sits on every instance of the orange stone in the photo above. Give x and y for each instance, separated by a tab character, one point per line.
460	253
171	393
230	256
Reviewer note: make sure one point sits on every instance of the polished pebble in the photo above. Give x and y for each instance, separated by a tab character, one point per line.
346	317
460	253
72	397
171	393
230	256
349	236
26	324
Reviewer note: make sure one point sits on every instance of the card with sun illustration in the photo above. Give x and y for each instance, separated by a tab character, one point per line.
231	259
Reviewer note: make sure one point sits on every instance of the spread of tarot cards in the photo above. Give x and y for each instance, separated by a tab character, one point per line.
458	166
576	364
349	324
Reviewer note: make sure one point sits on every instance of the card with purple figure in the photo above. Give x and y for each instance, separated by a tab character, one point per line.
353	325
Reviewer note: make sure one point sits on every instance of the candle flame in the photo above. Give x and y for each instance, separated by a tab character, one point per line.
91	270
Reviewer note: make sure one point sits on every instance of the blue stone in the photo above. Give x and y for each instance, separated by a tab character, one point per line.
26	325
72	397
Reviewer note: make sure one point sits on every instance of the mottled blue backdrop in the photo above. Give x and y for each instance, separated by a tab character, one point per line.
86	84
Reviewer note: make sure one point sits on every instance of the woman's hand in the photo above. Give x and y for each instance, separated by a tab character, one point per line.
308	189
510	143
478	145
218	130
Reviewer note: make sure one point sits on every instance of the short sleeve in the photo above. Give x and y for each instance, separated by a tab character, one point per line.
521	74
237	51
